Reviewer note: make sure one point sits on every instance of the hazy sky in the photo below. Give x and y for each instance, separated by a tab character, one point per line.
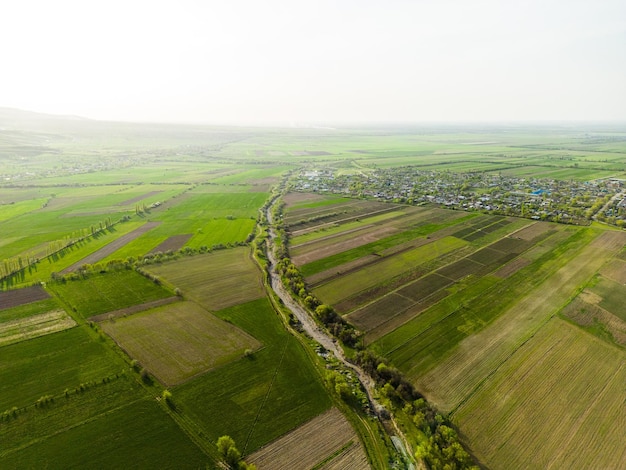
316	61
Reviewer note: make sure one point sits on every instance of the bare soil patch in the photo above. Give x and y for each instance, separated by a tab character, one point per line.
309	444
112	247
295	198
425	286
512	267
352	457
378	312
590	297
139	198
510	245
395	321
460	269
17	297
487	256
173	243
533	231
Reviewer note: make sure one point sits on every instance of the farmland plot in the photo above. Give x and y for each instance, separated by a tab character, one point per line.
216	280
556	403
256	399
179	341
113	424
112	247
17	297
313	443
37	325
471	358
49	364
101	293
387	268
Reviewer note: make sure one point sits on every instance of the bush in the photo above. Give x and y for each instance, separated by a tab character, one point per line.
169	400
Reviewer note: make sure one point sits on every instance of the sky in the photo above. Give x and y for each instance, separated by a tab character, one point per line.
316	61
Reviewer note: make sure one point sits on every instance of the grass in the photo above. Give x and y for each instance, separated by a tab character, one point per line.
9	211
256	399
57	262
179	341
215	280
87	171
101	293
222	231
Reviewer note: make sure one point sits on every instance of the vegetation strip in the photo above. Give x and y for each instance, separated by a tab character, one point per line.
34	326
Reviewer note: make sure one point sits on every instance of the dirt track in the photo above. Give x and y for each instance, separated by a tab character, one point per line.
111	247
318	334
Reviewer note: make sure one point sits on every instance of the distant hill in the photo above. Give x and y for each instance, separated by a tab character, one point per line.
11	119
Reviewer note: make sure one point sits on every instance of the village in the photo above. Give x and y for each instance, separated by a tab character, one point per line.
571	202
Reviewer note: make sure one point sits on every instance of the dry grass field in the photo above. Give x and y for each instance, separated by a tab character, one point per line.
179	341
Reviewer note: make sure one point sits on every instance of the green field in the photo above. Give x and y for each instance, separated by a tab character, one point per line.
29	309
49	364
458	321
137	434
101	293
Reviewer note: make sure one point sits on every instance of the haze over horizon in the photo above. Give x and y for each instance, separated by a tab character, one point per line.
281	62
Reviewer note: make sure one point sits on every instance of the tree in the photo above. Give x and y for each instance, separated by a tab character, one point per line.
167	396
231	455
224	443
